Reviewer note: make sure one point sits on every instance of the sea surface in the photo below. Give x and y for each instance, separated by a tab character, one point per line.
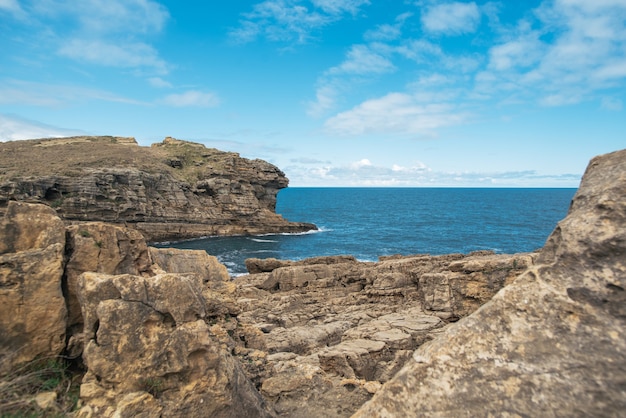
370	222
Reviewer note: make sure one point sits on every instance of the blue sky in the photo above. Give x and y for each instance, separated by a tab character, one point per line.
334	92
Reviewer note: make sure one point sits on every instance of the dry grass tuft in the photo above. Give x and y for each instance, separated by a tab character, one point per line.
19	387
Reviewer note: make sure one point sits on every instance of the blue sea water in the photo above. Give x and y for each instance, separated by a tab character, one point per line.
370	222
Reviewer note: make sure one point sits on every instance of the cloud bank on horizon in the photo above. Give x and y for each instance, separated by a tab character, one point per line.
334	92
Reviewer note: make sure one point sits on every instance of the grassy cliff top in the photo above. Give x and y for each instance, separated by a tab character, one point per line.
72	156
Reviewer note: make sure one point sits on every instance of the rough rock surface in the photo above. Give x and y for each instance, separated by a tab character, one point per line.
32	308
319	336
552	343
102	248
172	190
149	351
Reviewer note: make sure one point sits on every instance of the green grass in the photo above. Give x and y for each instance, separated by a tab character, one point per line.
19	387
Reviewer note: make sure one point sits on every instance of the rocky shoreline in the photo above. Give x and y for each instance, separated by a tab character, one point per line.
166	332
172	190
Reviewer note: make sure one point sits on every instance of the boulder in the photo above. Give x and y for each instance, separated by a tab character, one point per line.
218	289
333	329
552	342
102	248
149	351
32	308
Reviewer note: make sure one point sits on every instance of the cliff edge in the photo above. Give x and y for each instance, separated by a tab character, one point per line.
172	190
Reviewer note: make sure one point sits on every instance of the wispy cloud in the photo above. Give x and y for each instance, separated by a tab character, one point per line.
291	21
13	128
125	55
575	50
395	113
113	33
191	98
20	92
159	82
451	18
362	59
11	6
364	173
563	53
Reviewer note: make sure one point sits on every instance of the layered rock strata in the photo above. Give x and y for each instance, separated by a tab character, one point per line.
320	336
165	332
552	343
172	190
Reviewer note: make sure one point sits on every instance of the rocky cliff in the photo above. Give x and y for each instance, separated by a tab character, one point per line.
164	332
171	190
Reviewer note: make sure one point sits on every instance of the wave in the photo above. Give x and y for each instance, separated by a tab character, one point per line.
262	240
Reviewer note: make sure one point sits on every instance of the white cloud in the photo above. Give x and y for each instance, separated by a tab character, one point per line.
290	21
387	32
362	59
19	92
107	16
357	165
159	82
325	98
451	18
122	55
104	32
575	50
521	52
10	5
13	128
337	7
191	98
420	175
395	113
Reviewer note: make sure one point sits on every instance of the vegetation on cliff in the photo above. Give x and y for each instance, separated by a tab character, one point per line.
172	190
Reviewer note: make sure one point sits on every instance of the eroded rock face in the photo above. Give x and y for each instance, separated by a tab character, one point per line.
148	350
32	307
173	190
553	342
319	336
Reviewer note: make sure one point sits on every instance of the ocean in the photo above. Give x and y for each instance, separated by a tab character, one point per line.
372	222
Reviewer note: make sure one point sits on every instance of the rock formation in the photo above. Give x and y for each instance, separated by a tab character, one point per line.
32	306
166	332
319	336
552	343
172	190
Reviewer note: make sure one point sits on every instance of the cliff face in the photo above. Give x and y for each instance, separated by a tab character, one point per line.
172	190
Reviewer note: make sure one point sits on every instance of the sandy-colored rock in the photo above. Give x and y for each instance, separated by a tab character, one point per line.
551	343
218	288
32	308
147	348
172	190
102	248
330	320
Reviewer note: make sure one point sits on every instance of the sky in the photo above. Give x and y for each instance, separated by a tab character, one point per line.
414	93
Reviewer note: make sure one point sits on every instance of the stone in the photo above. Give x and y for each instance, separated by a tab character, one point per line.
550	343
149	351
114	180
33	315
46	400
329	324
218	289
102	248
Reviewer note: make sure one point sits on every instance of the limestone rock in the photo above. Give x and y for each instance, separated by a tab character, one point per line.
149	351
172	190
32	308
551	343
102	248
334	328
218	289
